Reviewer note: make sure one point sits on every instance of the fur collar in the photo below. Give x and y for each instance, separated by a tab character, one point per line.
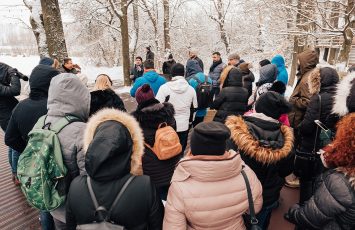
314	81
342	92
132	126
251	147
349	173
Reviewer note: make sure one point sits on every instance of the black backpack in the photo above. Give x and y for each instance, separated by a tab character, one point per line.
204	93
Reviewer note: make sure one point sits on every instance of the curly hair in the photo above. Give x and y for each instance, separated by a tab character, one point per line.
341	152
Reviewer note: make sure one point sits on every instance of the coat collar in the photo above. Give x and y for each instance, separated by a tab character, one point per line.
245	141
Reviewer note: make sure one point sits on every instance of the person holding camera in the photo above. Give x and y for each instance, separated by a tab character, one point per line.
10	87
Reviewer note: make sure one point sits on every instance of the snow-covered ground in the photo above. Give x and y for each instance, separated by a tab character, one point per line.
26	64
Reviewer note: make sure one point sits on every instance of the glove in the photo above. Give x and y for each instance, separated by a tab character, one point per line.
15	72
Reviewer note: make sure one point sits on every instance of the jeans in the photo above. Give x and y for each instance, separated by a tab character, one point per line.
183	139
47	222
13	159
264	215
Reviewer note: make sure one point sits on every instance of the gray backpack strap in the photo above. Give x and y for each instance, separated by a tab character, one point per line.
119	196
98	209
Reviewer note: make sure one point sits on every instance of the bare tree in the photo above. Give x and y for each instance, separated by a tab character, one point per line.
167	45
135	36
36	21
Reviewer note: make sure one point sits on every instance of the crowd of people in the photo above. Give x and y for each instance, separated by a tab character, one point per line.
136	170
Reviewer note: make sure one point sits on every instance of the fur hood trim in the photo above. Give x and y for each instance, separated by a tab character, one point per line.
314	81
250	146
132	126
349	173
342	92
224	74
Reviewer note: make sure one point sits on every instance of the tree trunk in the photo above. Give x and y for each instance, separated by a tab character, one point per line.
125	42
54	29
36	20
294	62
222	30
136	29
167	45
346	47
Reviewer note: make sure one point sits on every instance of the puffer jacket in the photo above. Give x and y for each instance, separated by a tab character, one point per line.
215	74
150	114
266	147
233	98
301	96
167	66
182	96
282	74
113	143
10	87
67	95
322	82
199	199
105	99
152	78
28	111
332	206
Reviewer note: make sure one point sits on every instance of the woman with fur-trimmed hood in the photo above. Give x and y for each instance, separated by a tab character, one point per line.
113	142
266	146
333	204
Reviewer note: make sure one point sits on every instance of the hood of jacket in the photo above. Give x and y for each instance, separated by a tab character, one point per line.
278	60
68	95
207	168
40	80
242	136
151	76
345	93
192	67
114	145
178	84
147	112
268	72
234	78
322	78
308	60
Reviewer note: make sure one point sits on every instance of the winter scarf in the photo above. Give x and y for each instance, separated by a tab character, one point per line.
215	64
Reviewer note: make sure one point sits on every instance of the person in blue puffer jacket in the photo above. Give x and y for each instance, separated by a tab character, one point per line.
149	77
200	113
282	75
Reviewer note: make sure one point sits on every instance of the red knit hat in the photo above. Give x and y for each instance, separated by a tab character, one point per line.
144	93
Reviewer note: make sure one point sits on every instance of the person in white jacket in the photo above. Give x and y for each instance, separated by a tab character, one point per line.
183	97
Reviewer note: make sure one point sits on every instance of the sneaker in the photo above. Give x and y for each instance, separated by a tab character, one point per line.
292	181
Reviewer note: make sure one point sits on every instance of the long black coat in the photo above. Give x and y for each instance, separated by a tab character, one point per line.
150	114
10	87
332	206
114	152
233	98
28	111
325	84
105	99
266	147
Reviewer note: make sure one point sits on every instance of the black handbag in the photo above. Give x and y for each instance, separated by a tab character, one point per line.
306	164
250	221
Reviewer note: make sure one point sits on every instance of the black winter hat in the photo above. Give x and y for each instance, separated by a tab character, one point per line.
278	87
209	138
264	62
178	70
46	61
272	105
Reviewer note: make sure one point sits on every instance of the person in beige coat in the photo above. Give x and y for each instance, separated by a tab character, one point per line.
207	189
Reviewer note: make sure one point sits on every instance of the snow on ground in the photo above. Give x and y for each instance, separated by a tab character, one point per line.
26	64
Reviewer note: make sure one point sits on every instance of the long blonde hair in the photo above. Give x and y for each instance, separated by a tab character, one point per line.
103	82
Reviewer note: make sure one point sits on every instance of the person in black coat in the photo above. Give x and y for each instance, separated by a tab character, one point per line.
168	64
248	77
322	84
113	143
28	111
233	98
103	95
150	114
137	70
149	54
333	204
266	147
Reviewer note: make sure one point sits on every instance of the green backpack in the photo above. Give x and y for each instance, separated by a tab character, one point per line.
40	169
